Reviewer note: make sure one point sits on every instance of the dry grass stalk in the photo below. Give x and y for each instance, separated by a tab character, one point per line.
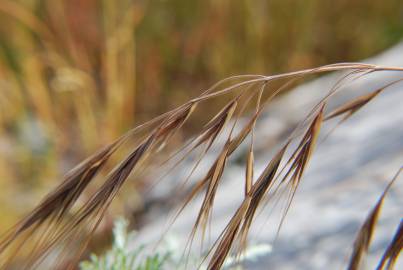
61	223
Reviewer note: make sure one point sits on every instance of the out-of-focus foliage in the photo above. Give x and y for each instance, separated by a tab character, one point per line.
74	74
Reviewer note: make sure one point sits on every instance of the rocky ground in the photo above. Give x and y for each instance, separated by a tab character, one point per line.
345	177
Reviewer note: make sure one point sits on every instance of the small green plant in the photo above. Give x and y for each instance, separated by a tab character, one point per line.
120	257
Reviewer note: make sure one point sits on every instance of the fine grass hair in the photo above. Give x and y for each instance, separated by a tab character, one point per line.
60	227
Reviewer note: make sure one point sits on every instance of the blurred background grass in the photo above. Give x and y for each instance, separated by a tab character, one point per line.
75	74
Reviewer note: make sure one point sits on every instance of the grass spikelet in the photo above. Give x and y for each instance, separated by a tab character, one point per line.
242	219
354	105
228	237
213	128
212	185
174	123
93	210
393	251
257	192
232	146
363	239
249	171
299	160
250	156
59	201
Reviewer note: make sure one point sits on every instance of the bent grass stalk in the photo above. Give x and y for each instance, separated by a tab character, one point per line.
69	228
